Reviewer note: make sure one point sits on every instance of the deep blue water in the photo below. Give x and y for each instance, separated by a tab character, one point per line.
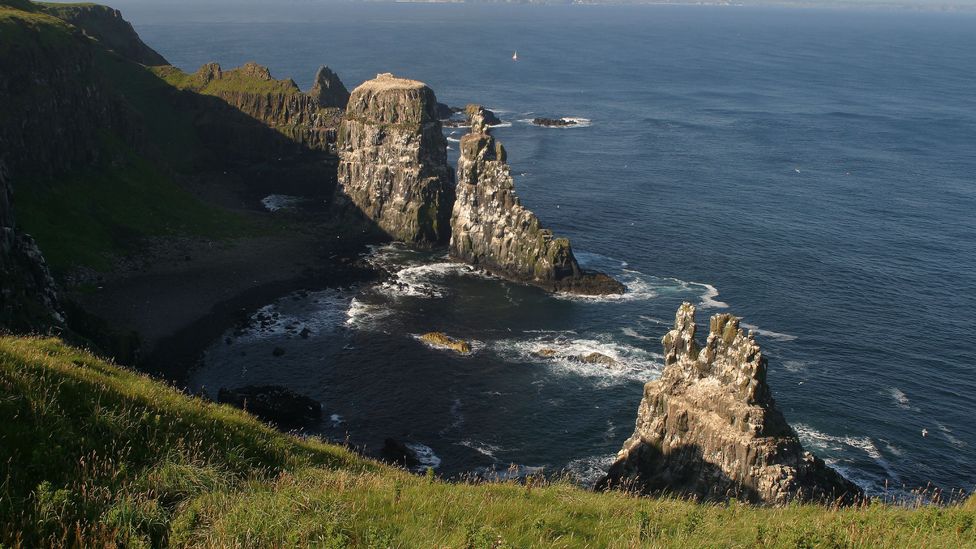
817	168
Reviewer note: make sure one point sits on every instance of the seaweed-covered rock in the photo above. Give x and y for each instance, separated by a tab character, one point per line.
444	341
709	427
492	230
393	160
274	404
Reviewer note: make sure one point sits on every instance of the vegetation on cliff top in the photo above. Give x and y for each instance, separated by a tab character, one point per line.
96	454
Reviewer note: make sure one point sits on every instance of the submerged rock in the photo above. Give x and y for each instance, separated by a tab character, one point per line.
275	404
393	160
709	427
444	341
492	230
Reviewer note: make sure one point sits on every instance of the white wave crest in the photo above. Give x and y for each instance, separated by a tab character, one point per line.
453	140
308	313
708	300
768	333
589	470
483	448
360	314
900	398
425	456
947	433
811	438
565	354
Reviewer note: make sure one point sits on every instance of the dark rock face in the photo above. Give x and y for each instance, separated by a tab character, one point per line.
554	122
396	452
709	427
492	230
328	90
274	404
107	26
28	296
309	119
393	160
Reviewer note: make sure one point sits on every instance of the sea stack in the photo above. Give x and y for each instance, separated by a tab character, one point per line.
492	230
709	427
393	160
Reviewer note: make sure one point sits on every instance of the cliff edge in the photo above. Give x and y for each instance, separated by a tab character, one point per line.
709	427
492	230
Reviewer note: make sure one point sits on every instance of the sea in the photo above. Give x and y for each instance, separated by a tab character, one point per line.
812	171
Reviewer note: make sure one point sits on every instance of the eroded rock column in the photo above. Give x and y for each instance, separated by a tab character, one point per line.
709	427
491	228
393	160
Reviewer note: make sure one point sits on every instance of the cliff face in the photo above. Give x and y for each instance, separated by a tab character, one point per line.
107	26
28	297
393	160
491	228
52	103
309	119
709	427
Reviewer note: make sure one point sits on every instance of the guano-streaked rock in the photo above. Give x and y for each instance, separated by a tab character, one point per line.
393	160
492	230
709	427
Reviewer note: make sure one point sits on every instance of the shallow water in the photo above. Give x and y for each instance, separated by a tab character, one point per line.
812	170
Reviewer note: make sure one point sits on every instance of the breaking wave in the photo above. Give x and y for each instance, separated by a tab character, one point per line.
567	353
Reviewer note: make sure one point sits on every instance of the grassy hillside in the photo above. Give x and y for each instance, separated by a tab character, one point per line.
94	454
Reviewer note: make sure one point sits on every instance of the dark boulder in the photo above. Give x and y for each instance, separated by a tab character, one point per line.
274	404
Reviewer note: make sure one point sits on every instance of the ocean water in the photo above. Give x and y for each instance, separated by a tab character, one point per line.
811	171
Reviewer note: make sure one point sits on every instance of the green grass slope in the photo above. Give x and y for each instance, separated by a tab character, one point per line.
95	455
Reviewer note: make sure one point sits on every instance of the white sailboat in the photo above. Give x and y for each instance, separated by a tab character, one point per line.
515	56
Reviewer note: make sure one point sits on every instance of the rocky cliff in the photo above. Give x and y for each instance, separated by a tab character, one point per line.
393	160
107	26
28	297
709	427
491	228
310	120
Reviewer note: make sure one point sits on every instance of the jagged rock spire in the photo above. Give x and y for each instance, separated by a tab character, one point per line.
709	427
491	228
328	90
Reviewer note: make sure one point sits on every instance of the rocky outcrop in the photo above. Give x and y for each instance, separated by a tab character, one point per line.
554	122
328	90
393	160
309	119
492	230
28	296
107	26
275	404
709	427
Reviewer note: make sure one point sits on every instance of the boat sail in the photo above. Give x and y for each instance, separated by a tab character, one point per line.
515	56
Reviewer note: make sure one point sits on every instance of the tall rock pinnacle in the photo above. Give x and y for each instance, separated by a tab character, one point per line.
709	427
328	90
491	228
393	160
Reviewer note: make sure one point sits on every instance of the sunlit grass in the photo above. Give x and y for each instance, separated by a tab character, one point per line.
95	454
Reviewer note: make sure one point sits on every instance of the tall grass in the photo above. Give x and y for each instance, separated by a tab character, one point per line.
92	454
